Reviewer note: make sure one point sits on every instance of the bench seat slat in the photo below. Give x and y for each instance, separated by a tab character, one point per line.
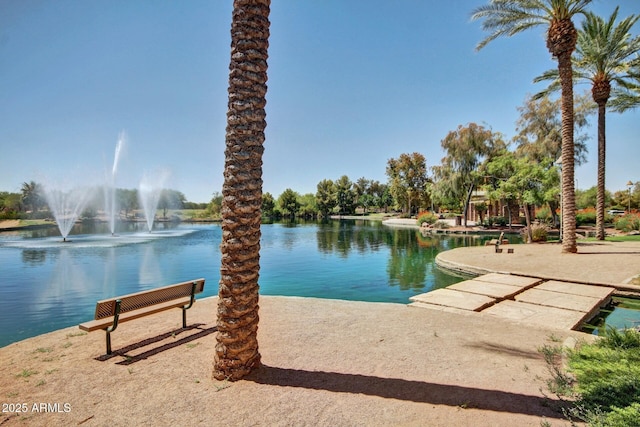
94	325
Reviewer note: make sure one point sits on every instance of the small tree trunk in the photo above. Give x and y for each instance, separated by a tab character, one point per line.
527	217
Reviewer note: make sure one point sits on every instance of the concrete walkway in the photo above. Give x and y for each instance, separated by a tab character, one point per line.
547	303
603	263
537	283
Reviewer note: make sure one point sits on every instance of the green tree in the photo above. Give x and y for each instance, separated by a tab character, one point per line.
345	196
32	197
215	205
380	195
288	202
587	198
407	179
326	197
466	148
127	199
539	128
268	205
539	134
170	199
520	178
10	204
361	188
605	54
509	17
308	207
236	352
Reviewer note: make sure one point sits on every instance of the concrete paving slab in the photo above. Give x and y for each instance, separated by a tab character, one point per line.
594	291
538	296
549	317
455	299
420	304
509	279
495	290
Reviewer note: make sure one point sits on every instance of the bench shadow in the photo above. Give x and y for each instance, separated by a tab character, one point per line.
409	390
123	352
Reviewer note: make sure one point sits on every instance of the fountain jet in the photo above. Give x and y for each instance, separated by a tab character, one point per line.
110	189
149	193
66	206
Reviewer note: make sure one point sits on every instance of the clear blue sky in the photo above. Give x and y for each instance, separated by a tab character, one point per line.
352	83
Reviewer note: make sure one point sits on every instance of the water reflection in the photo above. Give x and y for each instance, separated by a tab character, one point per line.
67	283
341	237
34	256
149	272
407	266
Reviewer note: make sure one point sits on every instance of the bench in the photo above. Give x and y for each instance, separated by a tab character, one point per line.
113	311
497	242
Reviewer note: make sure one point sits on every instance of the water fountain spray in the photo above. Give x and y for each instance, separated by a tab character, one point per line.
110	193
149	193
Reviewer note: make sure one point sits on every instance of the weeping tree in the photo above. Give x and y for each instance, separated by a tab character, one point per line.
467	149
539	136
236	351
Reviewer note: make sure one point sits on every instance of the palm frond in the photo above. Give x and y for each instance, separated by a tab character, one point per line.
510	17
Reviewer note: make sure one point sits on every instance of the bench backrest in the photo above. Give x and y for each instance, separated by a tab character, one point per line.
106	308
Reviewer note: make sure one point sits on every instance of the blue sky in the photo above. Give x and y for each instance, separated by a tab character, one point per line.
352	83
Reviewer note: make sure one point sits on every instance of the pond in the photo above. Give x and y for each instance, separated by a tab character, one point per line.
46	284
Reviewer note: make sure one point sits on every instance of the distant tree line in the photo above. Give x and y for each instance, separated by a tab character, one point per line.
31	203
520	175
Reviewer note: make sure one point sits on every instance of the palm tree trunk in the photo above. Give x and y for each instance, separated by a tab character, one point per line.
601	170
568	153
237	347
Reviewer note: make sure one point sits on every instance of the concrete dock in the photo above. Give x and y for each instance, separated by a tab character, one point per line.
547	303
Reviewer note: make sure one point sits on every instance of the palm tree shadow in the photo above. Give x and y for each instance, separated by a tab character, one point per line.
585	246
408	390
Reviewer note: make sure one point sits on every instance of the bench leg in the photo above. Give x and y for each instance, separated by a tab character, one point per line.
108	343
116	317
187	307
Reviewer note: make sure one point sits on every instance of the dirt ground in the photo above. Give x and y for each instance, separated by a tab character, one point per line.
325	362
9	223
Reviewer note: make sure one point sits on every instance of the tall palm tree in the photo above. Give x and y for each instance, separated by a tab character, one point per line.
605	55
237	344
509	17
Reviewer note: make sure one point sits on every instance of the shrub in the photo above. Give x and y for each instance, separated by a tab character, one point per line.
586	216
440	225
628	222
539	232
427	217
607	372
543	214
496	220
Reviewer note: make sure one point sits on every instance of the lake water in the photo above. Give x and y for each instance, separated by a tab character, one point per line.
46	284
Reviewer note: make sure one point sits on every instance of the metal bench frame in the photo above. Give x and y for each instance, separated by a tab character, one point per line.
113	311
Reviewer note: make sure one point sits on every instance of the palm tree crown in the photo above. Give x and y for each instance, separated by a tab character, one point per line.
510	17
606	52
